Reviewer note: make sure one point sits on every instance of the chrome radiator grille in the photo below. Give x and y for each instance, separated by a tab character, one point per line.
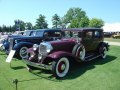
42	49
11	43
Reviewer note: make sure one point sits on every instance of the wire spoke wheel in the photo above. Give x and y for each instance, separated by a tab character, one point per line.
23	52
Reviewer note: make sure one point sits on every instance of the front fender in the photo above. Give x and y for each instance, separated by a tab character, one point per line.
104	44
21	44
6	45
59	54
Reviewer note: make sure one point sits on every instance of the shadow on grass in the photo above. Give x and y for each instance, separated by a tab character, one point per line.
2	53
46	74
80	68
77	69
18	67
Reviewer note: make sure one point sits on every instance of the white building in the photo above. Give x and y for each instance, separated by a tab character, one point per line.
111	27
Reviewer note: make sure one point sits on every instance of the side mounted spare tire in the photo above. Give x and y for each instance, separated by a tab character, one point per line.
79	51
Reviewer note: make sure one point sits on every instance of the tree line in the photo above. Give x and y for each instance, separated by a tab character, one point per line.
74	18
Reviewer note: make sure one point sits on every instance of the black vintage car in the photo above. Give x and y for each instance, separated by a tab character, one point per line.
21	44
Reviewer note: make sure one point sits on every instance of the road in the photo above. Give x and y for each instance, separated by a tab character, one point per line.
113	43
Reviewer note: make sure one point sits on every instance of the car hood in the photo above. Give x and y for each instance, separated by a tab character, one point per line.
63	45
24	37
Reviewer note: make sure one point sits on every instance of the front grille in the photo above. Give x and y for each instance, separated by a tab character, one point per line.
11	43
42	49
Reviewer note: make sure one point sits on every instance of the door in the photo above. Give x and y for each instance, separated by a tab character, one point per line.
88	40
98	37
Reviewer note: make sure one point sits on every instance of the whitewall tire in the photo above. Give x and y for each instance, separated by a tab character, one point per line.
23	52
104	52
60	67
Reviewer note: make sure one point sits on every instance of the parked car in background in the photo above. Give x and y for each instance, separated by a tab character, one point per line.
21	44
116	35
82	44
5	44
108	34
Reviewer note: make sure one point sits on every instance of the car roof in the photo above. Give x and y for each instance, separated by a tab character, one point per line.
81	29
51	30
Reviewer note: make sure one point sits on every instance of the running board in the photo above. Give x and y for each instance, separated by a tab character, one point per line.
92	57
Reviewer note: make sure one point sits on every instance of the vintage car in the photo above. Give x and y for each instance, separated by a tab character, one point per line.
4	45
82	44
21	44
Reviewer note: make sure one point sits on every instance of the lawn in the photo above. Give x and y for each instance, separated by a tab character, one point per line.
112	39
93	75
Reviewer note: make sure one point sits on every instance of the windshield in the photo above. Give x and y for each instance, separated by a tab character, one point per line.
37	33
27	33
71	34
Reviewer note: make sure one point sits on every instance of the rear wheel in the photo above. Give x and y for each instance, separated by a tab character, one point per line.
103	52
60	67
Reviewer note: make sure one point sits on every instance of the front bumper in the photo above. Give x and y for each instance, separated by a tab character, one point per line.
2	48
37	65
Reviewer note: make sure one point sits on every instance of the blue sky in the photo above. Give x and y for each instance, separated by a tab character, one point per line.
29	10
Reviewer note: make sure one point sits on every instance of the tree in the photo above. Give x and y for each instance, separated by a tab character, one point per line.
84	22
56	21
41	22
97	23
28	26
20	25
74	24
74	13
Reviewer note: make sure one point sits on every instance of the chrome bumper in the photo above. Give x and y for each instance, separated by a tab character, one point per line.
2	48
37	65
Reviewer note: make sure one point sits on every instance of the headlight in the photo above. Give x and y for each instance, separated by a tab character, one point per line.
8	39
35	46
16	41
45	48
32	54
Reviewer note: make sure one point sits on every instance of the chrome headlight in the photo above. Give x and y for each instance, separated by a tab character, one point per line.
45	48
35	46
16	41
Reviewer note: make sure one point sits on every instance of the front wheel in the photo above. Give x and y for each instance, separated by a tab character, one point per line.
23	52
60	67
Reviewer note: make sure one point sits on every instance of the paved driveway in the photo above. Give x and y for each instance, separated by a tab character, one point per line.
113	43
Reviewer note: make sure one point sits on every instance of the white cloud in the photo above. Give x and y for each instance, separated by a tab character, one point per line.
111	27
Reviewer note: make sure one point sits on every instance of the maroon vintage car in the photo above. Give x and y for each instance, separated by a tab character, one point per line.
81	44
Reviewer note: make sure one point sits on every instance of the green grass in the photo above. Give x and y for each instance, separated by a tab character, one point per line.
112	39
93	75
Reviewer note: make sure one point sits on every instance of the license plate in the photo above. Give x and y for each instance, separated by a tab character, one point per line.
10	56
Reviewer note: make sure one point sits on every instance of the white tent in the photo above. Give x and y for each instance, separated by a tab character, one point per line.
111	27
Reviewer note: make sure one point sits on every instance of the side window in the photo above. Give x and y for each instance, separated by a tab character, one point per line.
97	34
88	34
57	34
